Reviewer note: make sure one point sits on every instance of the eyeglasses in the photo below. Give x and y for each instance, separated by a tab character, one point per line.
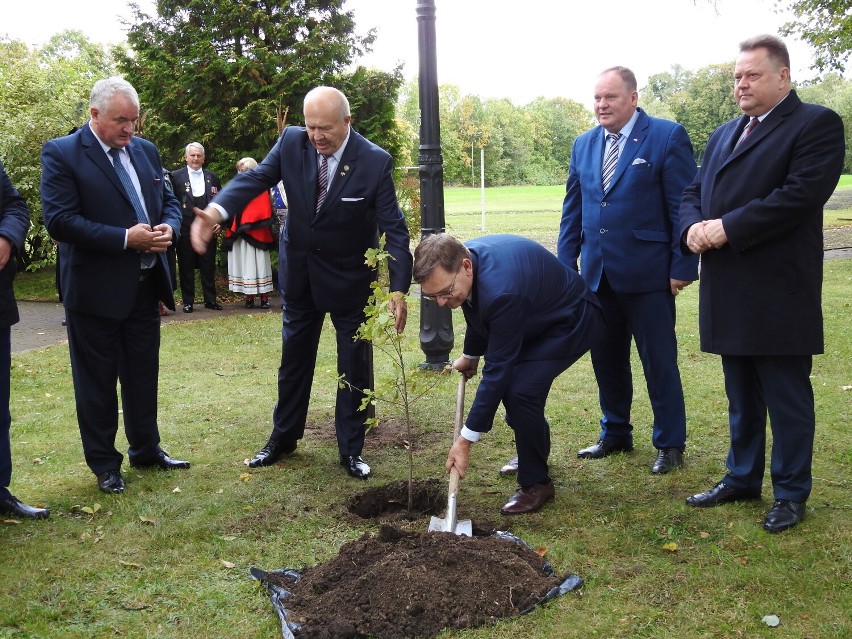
446	294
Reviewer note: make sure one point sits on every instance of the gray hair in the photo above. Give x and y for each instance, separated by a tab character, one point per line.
327	93
775	48
105	90
627	76
246	163
194	144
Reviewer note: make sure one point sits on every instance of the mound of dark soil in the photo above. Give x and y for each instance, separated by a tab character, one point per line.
399	585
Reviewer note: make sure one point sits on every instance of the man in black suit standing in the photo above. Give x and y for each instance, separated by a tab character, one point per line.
105	201
341	196
754	213
14	222
195	186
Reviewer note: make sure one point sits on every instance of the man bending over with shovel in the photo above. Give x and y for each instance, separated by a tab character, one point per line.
530	317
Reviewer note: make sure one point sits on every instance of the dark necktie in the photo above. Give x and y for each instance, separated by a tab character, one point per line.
127	183
752	124
611	159
322	181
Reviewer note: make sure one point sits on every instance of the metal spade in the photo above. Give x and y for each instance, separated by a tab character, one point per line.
450	523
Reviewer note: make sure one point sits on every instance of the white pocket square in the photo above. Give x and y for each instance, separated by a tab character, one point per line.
351	199
639	161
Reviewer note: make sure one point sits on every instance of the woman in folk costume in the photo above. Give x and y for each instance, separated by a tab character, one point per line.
249	240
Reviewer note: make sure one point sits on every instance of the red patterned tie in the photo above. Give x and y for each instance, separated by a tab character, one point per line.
752	124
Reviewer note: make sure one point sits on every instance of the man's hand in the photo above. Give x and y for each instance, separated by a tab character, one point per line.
5	252
678	285
466	366
399	308
715	232
459	456
204	225
142	237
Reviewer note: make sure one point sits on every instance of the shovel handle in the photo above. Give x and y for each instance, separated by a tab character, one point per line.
459	408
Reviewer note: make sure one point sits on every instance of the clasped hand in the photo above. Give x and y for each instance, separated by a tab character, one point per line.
147	239
706	235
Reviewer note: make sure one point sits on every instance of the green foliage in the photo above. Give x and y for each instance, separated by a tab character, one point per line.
45	93
826	25
229	73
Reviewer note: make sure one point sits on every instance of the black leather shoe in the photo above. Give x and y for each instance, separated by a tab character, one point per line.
111	482
14	506
271	453
784	514
529	499
249	303
667	460
721	493
187	308
160	459
264	304
213	306
355	466
602	449
510	467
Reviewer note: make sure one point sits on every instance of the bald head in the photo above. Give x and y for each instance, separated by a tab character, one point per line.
327	119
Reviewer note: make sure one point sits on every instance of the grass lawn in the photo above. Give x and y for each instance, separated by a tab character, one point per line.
170	557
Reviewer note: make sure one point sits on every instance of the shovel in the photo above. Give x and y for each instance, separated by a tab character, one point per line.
450	524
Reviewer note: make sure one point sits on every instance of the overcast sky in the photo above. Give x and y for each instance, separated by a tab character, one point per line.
518	49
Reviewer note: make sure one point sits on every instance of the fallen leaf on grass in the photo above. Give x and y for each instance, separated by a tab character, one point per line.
228	564
771	620
135	605
541	551
671	546
846	387
147	520
743	560
91	509
129	564
176	489
245	476
11	521
704	535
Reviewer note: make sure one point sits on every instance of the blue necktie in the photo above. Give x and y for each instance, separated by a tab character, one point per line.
611	159
147	258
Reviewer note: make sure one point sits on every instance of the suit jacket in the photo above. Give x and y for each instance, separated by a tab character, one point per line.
761	293
183	192
523	306
631	231
88	211
14	223
325	250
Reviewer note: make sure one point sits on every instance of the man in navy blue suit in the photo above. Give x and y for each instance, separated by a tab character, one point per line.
754	213
530	317
620	217
14	222
105	202
341	196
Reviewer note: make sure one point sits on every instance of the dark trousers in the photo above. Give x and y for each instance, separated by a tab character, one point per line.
104	352
781	387
302	326
5	416
188	260
526	396
649	318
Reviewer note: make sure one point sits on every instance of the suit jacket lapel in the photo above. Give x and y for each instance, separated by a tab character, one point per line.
631	147
344	168
145	185
96	154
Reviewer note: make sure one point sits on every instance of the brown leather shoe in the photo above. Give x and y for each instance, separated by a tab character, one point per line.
510	467
529	499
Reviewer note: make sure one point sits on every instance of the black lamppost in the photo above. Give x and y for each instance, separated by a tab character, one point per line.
436	326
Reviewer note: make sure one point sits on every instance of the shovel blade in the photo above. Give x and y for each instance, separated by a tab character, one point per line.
463	527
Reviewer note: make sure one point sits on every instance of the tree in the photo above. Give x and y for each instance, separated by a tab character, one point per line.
827	26
223	72
45	94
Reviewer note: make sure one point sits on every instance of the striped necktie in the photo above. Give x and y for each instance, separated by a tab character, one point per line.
147	258
611	159
752	124
322	181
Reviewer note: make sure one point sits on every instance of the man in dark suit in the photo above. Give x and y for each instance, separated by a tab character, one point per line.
754	213
340	196
104	200
14	222
195	187
531	318
620	217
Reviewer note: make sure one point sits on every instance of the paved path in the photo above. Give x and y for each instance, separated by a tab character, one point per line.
41	322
